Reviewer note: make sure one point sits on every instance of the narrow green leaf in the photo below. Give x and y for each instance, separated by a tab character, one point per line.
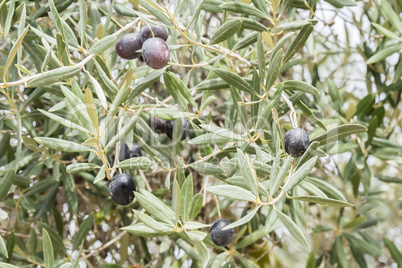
233	192
92	112
342	3
243	220
391	15
395	253
7	265
101	175
207	168
103	44
247	170
362	245
252	238
125	130
10	14
47	249
339	133
6	180
300	86
243	9
389	179
170	114
196	205
212	84
82	24
340	253
79	167
150	222
64	122
260	57
172	87
386	32
384	53
141	229
235	80
62	145
195	225
181	86
141	162
266	116
157	202
278	179
3	248
307	154
13	52
155	209
226	30
321	200
293	229
298	42
55	75
327	188
355	222
300	174
98	90
176	199
83	231
306	110
245	262
223	132
186	198
246	41
252	24
273	70
206	102
157	11
203	253
196	235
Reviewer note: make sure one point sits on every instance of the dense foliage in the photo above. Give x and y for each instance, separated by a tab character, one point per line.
254	133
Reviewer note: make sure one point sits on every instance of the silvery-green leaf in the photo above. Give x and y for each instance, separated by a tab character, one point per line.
82	233
207	168
226	30
300	174
186	198
243	220
102	44
196	235
322	200
136	163
62	145
293	229
233	192
141	229
155	209
195	225
150	222
101	175
339	133
78	167
248	172
47	249
203	253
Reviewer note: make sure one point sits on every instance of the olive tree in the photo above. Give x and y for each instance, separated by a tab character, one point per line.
205	133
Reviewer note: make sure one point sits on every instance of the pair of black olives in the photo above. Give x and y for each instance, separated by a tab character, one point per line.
166	126
151	39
